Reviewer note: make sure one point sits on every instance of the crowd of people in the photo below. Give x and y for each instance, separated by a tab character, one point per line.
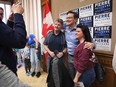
75	41
29	56
13	38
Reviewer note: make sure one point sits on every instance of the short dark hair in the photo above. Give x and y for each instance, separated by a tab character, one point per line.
85	31
59	20
1	8
74	13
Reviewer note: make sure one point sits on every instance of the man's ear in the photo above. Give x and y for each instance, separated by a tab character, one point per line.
76	20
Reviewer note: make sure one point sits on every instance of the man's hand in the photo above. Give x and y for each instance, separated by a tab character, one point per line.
11	18
60	54
89	45
51	54
17	8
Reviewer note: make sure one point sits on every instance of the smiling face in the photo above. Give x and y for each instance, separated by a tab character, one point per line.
57	26
83	33
70	20
79	33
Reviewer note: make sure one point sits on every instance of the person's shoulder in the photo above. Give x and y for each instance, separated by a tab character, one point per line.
50	33
63	33
66	28
81	45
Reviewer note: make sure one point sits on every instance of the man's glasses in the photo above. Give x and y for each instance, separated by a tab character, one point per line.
1	14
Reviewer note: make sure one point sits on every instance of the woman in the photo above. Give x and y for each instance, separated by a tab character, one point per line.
84	67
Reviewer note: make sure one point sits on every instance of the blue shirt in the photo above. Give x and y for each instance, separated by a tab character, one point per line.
71	40
30	39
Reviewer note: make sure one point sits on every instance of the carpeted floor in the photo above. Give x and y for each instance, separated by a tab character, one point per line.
32	81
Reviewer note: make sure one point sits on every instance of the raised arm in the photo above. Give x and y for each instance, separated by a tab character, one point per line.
14	38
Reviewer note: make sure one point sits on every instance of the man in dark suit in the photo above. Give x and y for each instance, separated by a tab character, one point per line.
12	35
11	38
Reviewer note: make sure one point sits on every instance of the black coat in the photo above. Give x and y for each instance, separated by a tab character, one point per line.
11	38
65	78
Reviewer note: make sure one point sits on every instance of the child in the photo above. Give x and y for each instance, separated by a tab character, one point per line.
26	58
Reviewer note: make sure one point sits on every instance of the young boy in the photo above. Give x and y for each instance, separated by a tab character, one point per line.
26	58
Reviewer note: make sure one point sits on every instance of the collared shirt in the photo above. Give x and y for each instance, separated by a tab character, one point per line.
30	39
55	42
71	40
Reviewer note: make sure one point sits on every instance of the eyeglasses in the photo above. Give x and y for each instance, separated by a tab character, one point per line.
1	14
69	17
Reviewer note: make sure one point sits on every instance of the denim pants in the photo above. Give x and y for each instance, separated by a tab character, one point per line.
71	66
19	56
35	62
87	77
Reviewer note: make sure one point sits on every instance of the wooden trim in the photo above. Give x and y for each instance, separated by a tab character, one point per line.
104	54
105	59
109	79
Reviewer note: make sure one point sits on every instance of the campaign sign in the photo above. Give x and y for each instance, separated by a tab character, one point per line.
87	21
103	7
102	32
86	11
102	44
63	15
76	10
104	19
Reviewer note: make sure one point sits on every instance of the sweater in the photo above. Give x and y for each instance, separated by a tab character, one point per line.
82	58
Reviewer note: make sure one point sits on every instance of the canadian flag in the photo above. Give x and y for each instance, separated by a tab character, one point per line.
47	24
47	21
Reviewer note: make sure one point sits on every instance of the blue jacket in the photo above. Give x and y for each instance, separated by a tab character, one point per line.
14	37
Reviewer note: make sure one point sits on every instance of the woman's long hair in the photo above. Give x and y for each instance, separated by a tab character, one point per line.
85	31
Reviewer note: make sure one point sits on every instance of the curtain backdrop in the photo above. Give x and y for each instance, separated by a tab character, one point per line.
32	16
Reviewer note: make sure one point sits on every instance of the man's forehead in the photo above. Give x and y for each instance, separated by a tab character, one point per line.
70	15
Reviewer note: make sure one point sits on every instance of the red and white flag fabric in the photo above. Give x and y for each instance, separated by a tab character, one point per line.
47	21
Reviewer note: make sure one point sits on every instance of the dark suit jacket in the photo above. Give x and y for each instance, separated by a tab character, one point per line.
11	38
64	76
